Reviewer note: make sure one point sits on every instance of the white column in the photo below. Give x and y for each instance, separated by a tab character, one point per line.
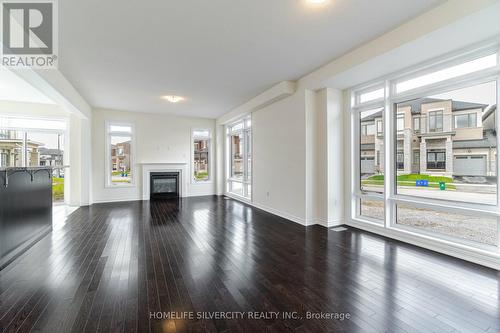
336	150
78	176
220	178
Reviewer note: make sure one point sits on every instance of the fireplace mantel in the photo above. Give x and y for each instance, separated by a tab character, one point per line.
180	167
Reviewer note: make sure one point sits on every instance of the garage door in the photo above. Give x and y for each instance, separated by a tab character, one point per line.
367	165
471	165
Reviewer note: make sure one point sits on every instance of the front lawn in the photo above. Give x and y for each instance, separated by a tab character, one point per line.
201	175
57	189
410	179
119	173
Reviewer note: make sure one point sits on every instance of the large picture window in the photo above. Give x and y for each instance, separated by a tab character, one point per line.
441	179
119	155
239	152
201	155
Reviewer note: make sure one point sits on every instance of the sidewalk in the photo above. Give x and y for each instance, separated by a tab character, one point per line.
453	195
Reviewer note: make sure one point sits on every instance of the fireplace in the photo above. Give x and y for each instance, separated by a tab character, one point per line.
164	185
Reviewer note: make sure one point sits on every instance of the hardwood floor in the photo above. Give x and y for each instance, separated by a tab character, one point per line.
122	267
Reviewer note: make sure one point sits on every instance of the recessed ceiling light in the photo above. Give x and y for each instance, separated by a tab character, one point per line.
174	98
317	2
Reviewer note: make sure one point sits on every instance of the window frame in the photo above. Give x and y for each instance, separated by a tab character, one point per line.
417	120
468	114
380	129
436	160
437	114
246	181
400	116
210	163
391	199
107	151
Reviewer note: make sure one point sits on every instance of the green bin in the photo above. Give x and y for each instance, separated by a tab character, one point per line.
442	186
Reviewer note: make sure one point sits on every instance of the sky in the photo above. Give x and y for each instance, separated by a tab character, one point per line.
482	93
485	93
48	139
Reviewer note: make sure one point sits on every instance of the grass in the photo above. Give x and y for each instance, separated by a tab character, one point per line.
201	175
118	173
414	177
57	189
409	180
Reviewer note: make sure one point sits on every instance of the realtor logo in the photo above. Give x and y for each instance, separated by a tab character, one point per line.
29	33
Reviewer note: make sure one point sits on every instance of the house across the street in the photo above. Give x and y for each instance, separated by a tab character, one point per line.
434	137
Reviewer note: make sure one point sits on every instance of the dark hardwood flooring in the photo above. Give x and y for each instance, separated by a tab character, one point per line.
122	267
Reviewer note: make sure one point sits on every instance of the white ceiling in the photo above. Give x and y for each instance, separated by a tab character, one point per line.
218	54
15	89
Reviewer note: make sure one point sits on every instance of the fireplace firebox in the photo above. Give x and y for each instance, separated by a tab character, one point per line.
164	185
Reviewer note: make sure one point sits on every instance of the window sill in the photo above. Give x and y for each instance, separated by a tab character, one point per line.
237	180
202	182
238	197
476	255
119	186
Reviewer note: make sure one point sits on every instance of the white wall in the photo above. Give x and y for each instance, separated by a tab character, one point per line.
311	155
32	110
335	149
324	162
158	139
320	132
279	166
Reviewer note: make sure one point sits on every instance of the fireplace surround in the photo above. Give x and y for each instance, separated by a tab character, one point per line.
164	185
162	167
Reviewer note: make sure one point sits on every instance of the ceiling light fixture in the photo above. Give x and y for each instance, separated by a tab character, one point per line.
174	98
317	2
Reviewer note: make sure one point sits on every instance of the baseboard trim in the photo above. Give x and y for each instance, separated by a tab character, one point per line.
302	221
115	200
329	223
281	214
143	199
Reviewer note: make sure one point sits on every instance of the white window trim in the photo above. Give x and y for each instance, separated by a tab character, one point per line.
228	178
210	154
389	226
107	157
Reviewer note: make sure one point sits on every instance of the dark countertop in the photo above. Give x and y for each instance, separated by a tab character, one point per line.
25	209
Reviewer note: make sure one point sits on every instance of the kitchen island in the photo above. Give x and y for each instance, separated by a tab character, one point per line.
25	209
